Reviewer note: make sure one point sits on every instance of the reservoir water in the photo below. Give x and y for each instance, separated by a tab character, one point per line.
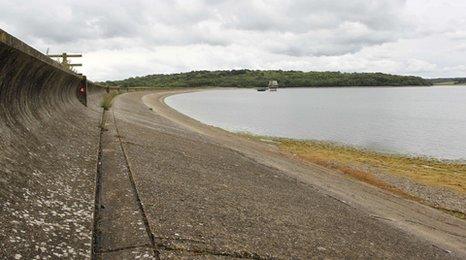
416	121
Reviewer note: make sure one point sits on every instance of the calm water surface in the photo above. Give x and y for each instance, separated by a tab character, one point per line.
416	121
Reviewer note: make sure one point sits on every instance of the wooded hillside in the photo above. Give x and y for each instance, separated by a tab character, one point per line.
257	78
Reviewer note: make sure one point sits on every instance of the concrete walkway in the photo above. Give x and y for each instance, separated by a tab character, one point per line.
169	192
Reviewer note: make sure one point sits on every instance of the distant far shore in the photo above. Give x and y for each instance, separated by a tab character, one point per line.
260	78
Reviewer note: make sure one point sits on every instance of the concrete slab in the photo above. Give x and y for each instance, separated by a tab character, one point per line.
120	222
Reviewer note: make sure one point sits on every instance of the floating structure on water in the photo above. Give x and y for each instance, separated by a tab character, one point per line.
273	85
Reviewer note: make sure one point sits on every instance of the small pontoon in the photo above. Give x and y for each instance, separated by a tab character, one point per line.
273	85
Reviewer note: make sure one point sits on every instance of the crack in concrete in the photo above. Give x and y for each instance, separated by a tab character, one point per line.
162	245
123	248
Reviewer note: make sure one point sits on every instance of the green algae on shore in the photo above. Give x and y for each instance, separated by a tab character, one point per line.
427	171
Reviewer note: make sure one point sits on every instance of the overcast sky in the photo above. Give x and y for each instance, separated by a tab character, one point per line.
120	39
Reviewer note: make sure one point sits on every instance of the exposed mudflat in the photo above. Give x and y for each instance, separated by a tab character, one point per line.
209	193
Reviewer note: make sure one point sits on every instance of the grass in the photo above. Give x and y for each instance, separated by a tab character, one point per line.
431	172
107	100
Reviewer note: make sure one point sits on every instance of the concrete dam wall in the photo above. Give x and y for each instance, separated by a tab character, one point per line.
49	143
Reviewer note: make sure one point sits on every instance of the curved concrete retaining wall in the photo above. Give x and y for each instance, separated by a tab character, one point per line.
48	156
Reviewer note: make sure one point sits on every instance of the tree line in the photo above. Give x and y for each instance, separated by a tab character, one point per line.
259	78
444	81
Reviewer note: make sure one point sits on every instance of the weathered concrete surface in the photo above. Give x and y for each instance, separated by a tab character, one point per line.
204	199
48	147
121	224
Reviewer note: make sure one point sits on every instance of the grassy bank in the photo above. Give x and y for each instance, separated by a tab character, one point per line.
362	165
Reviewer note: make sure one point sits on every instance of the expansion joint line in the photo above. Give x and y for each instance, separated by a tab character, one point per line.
98	190
125	248
136	192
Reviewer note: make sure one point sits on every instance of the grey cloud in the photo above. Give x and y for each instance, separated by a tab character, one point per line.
319	26
235	33
206	22
304	15
62	22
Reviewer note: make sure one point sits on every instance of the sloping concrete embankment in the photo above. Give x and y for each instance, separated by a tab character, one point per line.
175	188
48	156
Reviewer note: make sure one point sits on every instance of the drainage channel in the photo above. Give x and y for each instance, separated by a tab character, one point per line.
98	190
120	224
136	192
113	185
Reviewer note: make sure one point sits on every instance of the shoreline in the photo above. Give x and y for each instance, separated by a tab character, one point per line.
438	183
448	156
270	138
394	173
389	207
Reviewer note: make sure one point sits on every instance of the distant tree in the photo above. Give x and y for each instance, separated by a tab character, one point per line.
255	78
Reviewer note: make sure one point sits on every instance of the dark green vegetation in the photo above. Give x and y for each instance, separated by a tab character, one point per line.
448	81
257	78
